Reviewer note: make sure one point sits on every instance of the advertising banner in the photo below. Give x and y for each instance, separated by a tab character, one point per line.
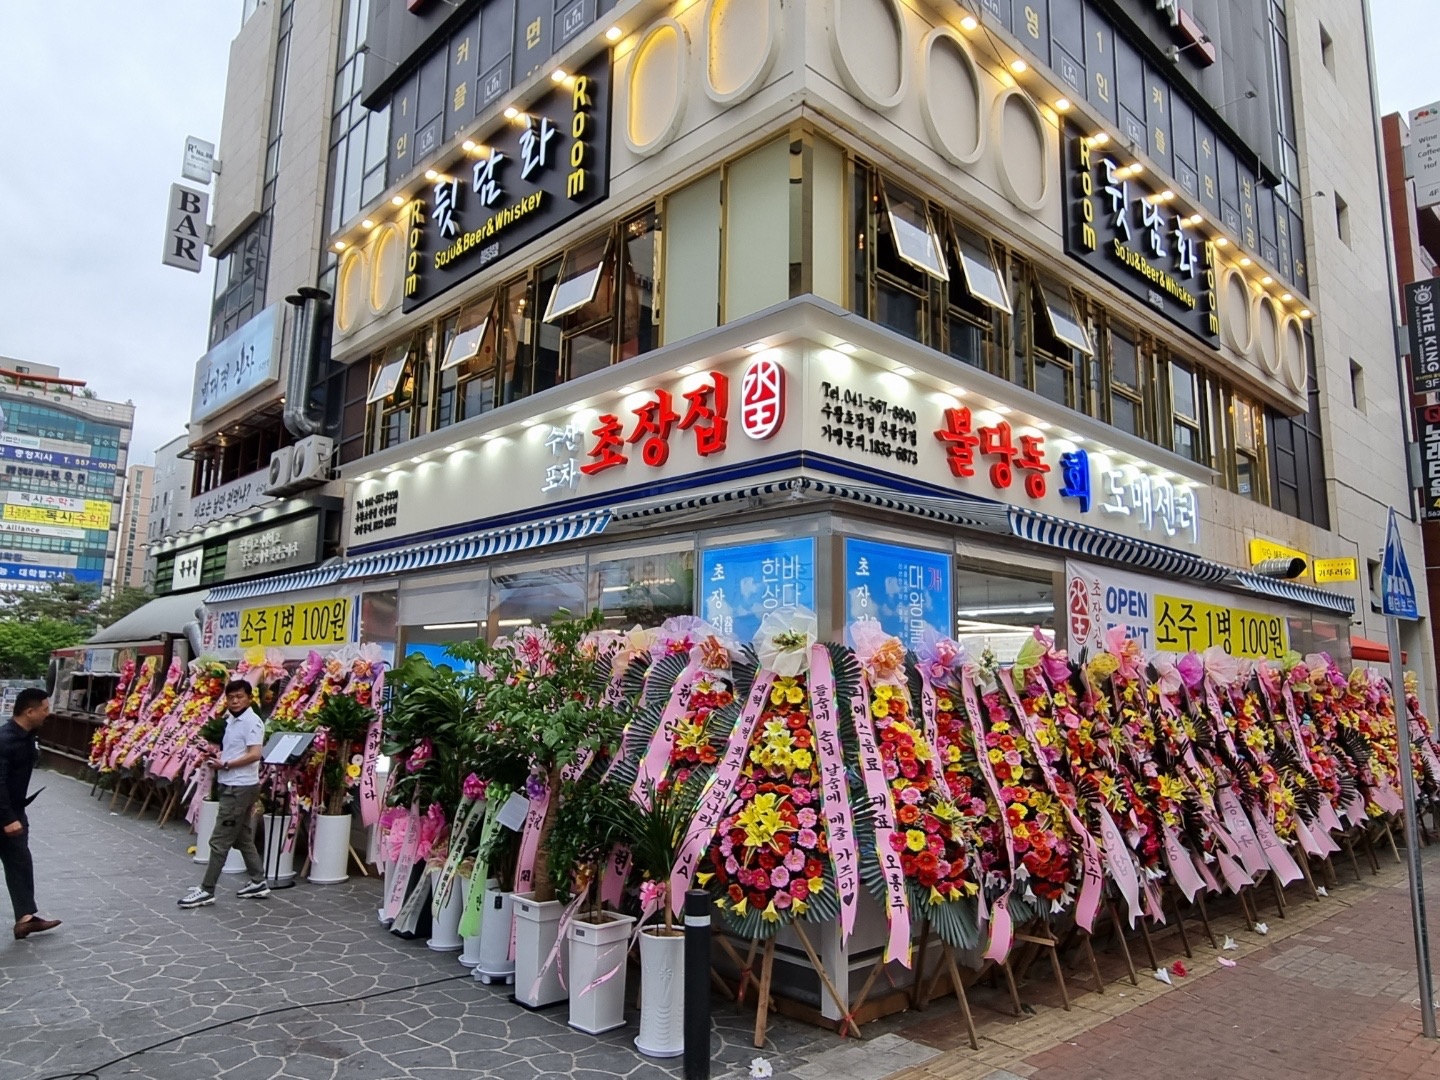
741	583
905	589
317	622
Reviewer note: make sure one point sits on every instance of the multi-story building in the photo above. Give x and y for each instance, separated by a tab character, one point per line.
971	316
170	496
63	478
134	528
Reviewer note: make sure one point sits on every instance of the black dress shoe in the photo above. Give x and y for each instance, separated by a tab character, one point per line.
34	925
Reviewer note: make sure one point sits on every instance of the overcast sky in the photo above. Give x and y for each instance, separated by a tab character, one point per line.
96	98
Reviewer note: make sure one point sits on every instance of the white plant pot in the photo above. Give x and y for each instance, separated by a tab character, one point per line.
274	830
385	893
496	923
470	954
445	924
662	985
598	952
537	930
329	860
204	829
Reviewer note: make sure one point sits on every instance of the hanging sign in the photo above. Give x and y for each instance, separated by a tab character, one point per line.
541	169
1422	319
185	228
1427	427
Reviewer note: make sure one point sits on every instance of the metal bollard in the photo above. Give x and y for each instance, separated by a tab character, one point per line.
697	985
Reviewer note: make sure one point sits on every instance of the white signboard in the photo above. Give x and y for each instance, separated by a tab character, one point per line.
199	163
241	364
50	502
244	493
185	228
1425	154
186	574
24	528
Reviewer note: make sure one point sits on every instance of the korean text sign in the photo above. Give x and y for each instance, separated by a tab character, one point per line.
318	622
742	583
241	364
905	589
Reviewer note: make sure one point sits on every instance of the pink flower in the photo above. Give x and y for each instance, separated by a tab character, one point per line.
422	753
802	796
807	818
731	866
782	900
795	861
807	838
1192	670
474	787
779	877
652	893
910	796
891	769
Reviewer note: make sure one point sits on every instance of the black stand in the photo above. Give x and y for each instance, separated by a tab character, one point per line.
284	748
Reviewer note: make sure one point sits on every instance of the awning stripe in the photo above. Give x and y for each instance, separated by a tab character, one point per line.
1040	528
478	546
314	578
1300	594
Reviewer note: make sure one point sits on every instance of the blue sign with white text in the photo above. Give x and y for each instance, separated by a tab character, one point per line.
741	584
905	589
22	572
1397	587
55	459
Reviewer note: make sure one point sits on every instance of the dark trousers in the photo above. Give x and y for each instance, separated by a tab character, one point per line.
19	872
235	828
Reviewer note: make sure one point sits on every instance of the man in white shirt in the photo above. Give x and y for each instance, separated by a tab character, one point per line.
238	771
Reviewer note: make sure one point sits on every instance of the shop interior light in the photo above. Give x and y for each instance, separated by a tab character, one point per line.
450	626
1166	195
367	224
614	34
431	174
1043	425
969	23
559	75
514	622
1062	104
397	200
1019	67
756	346
847	348
1011	609
903	370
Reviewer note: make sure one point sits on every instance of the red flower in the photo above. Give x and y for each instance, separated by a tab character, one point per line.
736	893
908	814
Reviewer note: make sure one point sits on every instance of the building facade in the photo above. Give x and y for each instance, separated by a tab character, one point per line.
63	478
170	495
134	528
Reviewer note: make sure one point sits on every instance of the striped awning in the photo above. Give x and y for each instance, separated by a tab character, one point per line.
477	545
1300	594
313	578
964	511
1079	539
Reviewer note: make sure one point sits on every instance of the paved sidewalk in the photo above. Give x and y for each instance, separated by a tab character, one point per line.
129	969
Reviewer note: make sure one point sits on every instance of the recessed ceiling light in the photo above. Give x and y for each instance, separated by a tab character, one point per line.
452	448
1003	409
490	435
340	245
627	389
1305	313
956	391
969	22
1288	297
398	200
1019	67
688	369
416	460
1166	195
431	174
1062	104
847	348
511	113
367	224
614	34
756	346
1267	280
1100	138
1245	260
1220	241
1076	438
1197	219
558	75
468	145
529	423
1043	425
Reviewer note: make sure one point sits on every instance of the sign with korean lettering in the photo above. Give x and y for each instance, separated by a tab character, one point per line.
1335	571
187	569
1130	235
1156	614
94	515
539	170
375	513
12	573
244	362
1422	318
286	546
742	583
317	622
54	459
1428	429
1262	550
228	500
905	589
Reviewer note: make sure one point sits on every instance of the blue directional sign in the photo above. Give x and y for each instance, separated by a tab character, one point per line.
1397	587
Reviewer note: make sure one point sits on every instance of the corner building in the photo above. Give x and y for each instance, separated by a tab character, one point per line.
971	317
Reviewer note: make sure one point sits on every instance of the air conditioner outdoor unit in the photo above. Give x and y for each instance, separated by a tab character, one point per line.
312	461
282	464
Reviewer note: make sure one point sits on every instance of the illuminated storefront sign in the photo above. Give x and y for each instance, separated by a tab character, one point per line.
541	169
742	583
906	590
241	364
1129	234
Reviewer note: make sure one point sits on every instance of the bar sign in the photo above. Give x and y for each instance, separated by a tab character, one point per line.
1422	316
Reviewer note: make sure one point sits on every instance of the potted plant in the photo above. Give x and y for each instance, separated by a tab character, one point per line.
540	716
587	827
342	723
654	826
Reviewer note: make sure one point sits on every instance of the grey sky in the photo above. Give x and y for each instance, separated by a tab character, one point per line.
96	107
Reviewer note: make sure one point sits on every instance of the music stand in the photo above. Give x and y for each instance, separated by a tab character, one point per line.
284	748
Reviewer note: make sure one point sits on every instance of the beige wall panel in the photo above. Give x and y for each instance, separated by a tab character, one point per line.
244	127
757	230
742	39
831	240
692	259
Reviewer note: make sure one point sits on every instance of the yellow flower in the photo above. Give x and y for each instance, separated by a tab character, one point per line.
1042	736
1170	788
761	820
952	755
801	759
770	914
704	879
879	708
915	840
352	771
1021	831
799	907
884	692
996	755
795	695
817	885
739	907
777	695
946	705
935	897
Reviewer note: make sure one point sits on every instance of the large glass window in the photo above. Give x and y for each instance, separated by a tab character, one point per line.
358	137
1297	458
1187	426
535	595
999	613
643	588
1124	379
469	372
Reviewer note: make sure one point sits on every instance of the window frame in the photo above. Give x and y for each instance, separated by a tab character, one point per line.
939	271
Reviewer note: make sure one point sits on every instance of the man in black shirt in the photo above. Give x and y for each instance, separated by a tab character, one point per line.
19	754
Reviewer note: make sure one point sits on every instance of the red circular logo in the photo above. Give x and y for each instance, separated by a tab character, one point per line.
762	399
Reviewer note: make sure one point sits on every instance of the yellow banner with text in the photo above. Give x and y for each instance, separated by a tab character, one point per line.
96	515
1182	625
318	622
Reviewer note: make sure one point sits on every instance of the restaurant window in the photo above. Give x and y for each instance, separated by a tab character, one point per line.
1186	403
1000	613
393	395
1057	340
535	595
1297	458
892	279
1123	382
643	588
512	341
582	306
469	378
974	297
639	325
1245	466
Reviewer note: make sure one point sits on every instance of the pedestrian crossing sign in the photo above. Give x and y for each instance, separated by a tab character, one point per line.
1397	587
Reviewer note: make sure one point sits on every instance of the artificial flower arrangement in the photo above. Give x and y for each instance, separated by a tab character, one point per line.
1425	758
929	832
115	731
290	706
138	725
204	695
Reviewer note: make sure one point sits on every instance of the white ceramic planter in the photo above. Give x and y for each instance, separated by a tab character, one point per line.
329	861
537	930
496	922
597	972
204	829
662	985
445	924
274	830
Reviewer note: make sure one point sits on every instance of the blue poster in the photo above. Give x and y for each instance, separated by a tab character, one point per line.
905	589
10	571
436	654
740	584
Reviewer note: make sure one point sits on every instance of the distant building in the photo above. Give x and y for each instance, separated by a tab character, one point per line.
134	528
170	494
62	464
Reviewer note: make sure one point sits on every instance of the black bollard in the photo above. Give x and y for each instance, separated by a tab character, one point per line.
697	985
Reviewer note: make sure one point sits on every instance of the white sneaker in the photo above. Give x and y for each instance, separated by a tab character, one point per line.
196	897
255	890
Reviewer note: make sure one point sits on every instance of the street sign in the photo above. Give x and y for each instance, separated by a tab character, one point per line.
1397	587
